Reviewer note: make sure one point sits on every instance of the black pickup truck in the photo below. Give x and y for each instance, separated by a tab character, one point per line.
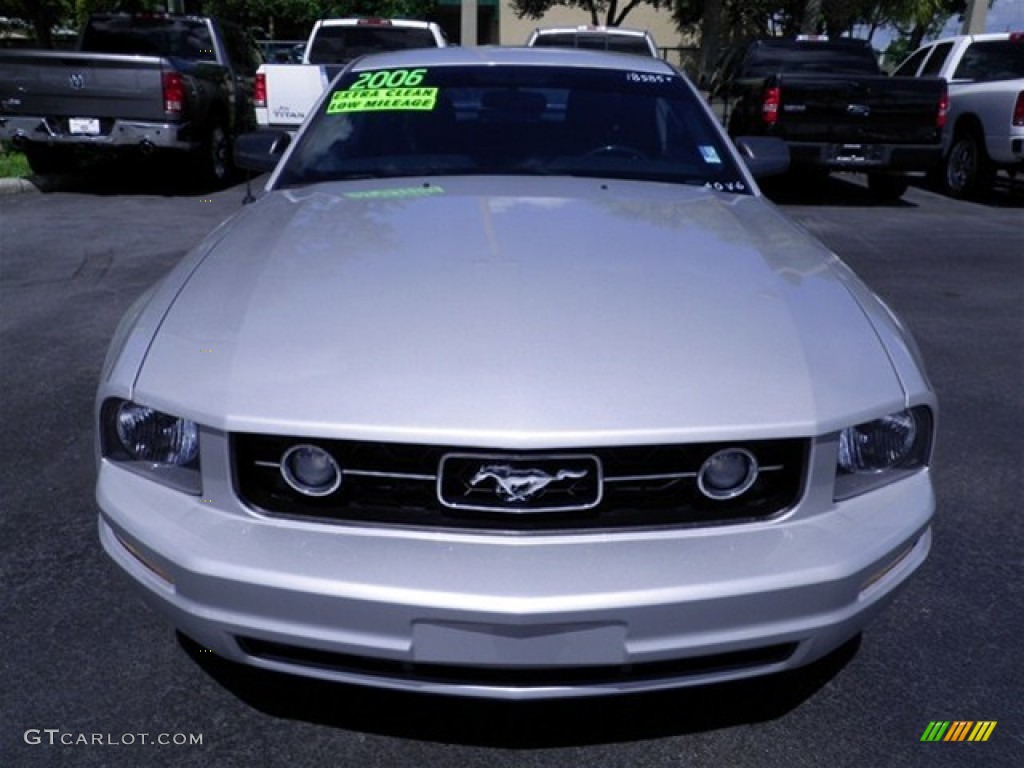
144	82
836	109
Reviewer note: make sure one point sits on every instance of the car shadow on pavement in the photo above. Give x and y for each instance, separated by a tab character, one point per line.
838	189
157	176
521	724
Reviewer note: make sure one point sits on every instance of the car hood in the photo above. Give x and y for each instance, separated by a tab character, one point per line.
517	312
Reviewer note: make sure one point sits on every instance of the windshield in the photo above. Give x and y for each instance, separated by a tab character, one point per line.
336	45
635	44
149	36
519	120
810	58
992	60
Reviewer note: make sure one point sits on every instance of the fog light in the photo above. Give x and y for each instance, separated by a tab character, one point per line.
310	470
727	473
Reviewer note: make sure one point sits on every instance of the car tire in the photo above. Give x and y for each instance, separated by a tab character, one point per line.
887	186
44	160
968	173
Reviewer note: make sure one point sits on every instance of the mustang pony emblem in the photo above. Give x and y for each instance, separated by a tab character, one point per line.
521	484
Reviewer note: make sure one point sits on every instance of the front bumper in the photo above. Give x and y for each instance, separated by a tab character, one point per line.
515	617
115	134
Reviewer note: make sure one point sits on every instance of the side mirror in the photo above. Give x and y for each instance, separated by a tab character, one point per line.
260	150
763	155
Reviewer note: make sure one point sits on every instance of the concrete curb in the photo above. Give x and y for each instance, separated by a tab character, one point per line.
17	186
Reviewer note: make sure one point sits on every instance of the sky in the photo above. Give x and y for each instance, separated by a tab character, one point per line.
1003	16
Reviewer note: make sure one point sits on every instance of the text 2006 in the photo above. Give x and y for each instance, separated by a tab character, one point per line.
394	78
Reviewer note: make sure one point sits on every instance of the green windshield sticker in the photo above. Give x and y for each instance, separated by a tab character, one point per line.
380	99
395	193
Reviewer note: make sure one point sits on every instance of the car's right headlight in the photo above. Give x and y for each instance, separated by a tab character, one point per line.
878	452
162	447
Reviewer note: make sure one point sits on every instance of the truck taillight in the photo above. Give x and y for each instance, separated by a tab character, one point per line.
174	92
1018	110
770	105
259	90
943	114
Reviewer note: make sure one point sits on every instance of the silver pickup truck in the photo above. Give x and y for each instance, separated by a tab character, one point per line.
142	83
985	128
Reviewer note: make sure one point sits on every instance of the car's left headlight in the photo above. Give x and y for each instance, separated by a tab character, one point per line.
158	445
878	452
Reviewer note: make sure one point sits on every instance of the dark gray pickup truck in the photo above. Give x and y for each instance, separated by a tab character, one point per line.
145	83
836	109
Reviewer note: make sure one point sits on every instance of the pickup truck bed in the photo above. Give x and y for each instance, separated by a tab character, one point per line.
836	111
133	96
986	107
77	98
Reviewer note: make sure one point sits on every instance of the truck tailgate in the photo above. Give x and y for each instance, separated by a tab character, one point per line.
859	109
292	90
61	85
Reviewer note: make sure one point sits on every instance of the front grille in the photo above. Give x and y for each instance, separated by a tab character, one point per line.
637	486
520	677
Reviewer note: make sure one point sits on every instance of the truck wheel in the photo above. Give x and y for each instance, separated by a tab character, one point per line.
44	159
213	161
887	186
968	171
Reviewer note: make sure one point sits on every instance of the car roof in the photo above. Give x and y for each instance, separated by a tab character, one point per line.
514	55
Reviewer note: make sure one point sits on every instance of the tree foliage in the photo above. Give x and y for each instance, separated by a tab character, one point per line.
294	18
717	23
279	18
42	15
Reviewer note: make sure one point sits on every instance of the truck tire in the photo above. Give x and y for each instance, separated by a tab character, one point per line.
968	173
887	186
46	159
212	163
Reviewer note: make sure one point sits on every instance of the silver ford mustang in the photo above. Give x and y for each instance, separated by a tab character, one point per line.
513	385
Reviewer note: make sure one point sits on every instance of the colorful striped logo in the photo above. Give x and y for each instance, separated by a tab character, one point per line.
958	730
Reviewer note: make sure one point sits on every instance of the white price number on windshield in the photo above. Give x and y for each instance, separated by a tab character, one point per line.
644	77
727	186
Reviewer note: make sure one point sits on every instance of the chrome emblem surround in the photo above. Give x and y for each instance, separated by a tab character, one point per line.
520	484
77	80
858	110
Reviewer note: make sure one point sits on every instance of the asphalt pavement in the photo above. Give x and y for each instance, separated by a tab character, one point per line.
90	677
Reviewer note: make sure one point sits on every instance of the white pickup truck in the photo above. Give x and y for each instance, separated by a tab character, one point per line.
985	125
284	93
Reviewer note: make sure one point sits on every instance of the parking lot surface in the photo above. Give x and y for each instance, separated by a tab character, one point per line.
91	677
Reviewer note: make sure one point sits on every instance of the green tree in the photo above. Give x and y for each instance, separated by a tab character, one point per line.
916	19
285	19
43	15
